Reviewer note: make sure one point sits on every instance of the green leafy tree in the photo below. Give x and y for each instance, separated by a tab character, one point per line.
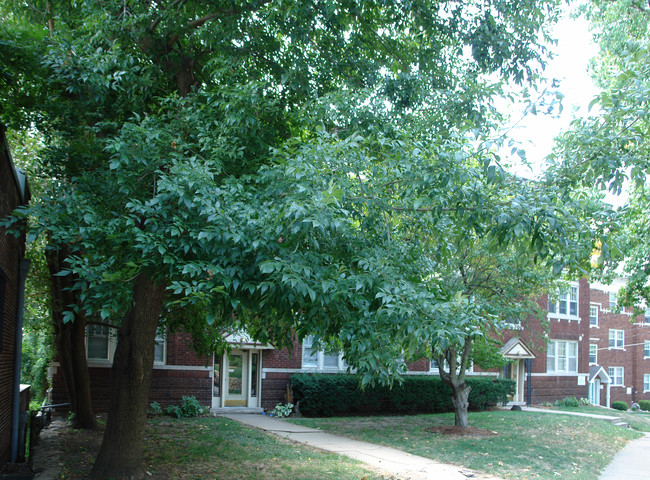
492	291
290	161
609	147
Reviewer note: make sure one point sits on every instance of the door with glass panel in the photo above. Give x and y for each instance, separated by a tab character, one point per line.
236	378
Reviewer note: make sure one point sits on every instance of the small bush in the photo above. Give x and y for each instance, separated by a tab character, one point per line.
644	405
568	402
328	395
584	402
174	411
155	409
620	405
191	407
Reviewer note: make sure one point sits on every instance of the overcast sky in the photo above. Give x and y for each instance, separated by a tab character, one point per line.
573	52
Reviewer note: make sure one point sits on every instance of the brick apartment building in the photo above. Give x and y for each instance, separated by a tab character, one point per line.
588	349
13	269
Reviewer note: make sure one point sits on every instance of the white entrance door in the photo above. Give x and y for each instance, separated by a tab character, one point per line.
517	373
594	392
236	379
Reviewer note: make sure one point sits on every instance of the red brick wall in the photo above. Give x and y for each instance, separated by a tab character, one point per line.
274	389
168	385
552	388
631	358
274	384
11	251
180	351
283	358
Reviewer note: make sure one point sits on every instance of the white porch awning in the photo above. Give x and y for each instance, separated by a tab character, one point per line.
516	349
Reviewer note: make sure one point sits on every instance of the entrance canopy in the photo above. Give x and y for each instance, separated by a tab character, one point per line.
516	349
241	339
596	371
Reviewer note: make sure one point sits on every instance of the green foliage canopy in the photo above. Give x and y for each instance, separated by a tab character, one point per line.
283	166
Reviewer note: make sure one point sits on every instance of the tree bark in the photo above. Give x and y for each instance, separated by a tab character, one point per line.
459	399
70	342
120	455
455	378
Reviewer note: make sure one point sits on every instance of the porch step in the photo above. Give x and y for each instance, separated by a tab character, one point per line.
615	420
622	424
226	410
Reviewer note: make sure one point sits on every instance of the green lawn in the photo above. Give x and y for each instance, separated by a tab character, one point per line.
527	445
637	420
216	448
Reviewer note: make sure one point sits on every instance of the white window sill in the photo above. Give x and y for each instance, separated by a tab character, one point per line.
99	363
558	317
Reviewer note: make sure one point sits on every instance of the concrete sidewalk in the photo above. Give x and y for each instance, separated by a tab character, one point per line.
609	418
631	463
388	459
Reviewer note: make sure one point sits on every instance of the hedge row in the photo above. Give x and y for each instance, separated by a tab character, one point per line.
328	395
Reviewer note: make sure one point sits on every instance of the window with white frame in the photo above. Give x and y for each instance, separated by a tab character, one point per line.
613	302
616	374
593	354
646	349
566	304
160	349
562	357
646	316
319	359
434	367
100	343
593	315
616	338
646	382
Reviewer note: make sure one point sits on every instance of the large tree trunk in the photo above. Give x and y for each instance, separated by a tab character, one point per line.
455	378
459	399
70	342
120	455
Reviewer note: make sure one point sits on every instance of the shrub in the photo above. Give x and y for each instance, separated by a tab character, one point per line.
644	405
327	395
282	410
620	405
155	409
584	402
191	407
568	402
174	411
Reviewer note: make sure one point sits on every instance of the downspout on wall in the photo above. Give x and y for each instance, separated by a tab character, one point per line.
529	383
15	407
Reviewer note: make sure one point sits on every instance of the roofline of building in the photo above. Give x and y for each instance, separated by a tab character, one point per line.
19	175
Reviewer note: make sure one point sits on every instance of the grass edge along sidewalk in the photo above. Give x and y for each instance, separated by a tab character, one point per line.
216	448
528	445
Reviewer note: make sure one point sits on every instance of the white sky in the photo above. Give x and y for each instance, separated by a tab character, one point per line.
573	52
536	133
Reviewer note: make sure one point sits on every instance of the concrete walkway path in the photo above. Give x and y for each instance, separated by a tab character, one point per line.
631	463
609	418
390	460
